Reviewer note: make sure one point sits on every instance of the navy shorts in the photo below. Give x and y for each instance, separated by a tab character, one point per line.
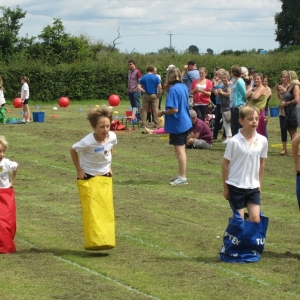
178	139
26	101
241	197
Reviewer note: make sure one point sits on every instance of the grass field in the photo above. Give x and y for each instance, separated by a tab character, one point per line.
168	238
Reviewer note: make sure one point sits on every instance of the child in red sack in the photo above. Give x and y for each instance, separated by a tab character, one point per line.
7	200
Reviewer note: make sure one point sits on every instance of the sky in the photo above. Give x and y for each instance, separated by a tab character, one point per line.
147	26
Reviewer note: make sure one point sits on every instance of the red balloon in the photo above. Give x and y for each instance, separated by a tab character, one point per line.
64	102
17	102
114	100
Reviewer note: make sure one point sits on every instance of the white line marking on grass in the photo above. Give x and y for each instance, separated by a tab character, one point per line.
91	271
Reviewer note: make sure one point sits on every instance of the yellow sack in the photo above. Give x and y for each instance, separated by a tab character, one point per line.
96	197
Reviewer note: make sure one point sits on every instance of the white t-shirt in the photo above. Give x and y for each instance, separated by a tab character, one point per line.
95	158
6	167
2	99
245	160
25	87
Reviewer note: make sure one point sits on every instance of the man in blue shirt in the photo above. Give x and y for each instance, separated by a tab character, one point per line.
190	73
150	85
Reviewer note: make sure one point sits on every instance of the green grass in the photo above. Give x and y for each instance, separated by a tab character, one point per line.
167	237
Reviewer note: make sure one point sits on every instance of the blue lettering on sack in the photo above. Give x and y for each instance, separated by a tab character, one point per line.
99	149
232	238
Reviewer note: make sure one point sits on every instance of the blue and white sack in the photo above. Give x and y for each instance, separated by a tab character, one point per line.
243	241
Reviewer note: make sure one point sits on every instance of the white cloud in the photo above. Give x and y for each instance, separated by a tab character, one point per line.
145	25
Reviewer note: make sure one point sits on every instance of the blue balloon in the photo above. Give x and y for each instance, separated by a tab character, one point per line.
22	112
37	106
79	109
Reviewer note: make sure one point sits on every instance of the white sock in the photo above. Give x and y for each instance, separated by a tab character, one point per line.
134	110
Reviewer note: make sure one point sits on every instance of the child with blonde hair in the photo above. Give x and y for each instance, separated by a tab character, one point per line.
8	172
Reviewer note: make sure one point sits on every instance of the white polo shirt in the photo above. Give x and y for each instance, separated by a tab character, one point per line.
245	160
95	158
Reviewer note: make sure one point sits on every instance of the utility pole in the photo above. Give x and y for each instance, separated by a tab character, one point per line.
170	34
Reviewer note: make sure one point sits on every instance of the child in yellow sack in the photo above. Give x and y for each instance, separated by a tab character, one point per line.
94	180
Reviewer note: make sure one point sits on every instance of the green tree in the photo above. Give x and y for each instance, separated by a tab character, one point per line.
210	51
58	46
192	49
288	24
167	50
9	30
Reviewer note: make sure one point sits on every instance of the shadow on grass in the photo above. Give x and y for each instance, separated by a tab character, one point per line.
287	254
62	252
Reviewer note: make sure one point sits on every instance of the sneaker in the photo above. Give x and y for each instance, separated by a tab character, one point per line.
175	178
179	181
23	120
27	121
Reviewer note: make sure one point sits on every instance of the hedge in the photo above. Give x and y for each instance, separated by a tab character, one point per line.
97	79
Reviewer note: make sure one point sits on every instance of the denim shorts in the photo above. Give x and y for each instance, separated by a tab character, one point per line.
178	139
241	197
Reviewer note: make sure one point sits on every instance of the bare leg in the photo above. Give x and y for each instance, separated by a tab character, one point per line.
181	156
254	212
26	112
149	131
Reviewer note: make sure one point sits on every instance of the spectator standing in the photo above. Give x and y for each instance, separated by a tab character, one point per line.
258	97
177	120
237	98
150	85
160	98
290	104
25	98
217	84
224	94
201	91
134	75
189	74
281	88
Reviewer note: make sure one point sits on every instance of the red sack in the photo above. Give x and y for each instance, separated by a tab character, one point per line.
7	220
117	125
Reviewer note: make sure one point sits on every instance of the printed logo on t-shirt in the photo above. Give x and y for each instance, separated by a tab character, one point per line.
99	149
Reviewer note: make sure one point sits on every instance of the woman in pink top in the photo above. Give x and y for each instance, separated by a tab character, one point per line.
201	91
